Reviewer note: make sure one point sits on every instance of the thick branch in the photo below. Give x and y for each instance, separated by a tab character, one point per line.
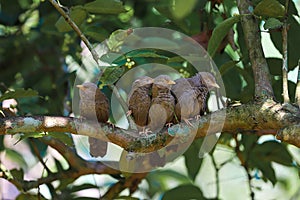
260	68
263	118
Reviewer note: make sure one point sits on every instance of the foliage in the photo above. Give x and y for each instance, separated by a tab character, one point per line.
36	44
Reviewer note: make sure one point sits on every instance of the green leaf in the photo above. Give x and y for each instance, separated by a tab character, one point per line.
263	154
19	93
64	137
23	196
266	169
127	198
77	14
248	141
293	41
159	180
165	9
272	23
269	8
2	147
117	38
145	53
17	174
85	186
219	34
273	151
111	75
227	66
184	192
31	135
275	66
181	9
177	59
64	183
192	160
16	157
105	7
96	33
115	58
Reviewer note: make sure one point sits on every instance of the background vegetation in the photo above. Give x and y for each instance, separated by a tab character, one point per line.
40	56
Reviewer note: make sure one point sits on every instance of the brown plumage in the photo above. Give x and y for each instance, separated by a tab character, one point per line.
191	95
94	106
139	101
162	105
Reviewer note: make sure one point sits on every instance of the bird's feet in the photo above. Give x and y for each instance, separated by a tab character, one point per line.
169	124
111	124
145	132
128	113
188	122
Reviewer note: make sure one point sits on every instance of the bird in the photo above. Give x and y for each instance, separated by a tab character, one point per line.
139	101
191	95
94	106
161	112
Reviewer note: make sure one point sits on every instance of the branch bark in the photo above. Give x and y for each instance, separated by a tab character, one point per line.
267	117
286	98
260	68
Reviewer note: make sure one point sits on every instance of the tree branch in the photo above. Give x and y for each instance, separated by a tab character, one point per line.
77	168
297	93
132	182
286	98
260	68
267	117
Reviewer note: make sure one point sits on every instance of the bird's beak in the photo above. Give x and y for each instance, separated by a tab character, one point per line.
170	82
80	86
215	85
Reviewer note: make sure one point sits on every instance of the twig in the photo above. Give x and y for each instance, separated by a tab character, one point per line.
244	163
78	167
37	153
249	181
117	188
76	29
217	176
297	95
286	98
263	88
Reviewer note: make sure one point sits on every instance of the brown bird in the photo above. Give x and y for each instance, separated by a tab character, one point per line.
139	101
162	105
191	95
94	106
